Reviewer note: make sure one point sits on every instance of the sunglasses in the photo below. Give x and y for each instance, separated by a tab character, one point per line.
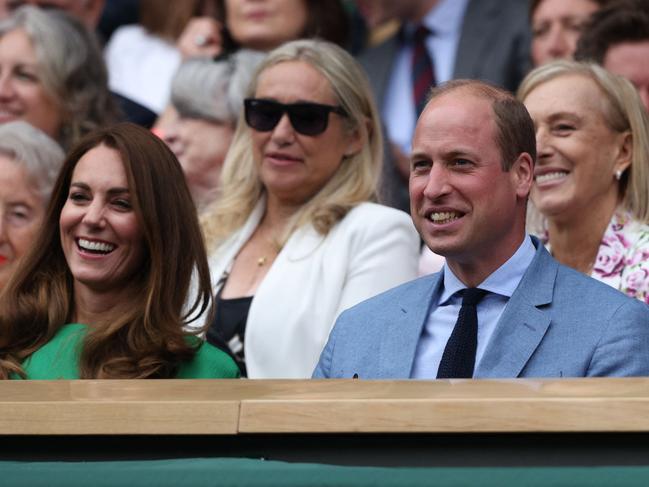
306	118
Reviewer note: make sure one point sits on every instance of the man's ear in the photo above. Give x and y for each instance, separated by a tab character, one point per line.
522	174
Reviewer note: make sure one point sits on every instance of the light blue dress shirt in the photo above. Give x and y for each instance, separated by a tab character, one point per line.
445	22
501	284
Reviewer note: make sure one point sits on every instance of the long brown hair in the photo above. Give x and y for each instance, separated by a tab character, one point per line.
144	336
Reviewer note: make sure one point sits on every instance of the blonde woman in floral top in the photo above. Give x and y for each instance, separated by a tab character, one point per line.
590	199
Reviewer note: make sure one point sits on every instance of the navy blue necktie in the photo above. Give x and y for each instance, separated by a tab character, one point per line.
423	77
458	359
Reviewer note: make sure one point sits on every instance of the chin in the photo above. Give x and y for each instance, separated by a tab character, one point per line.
551	209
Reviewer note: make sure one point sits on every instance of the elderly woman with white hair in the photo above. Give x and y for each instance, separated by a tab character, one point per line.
52	75
294	236
29	164
208	97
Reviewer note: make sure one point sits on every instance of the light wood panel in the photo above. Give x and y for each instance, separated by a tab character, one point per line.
117	407
199	407
586	405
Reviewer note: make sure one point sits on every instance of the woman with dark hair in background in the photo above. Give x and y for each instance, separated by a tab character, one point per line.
263	25
103	293
556	26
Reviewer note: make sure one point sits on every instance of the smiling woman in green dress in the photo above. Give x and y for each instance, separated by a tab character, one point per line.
103	292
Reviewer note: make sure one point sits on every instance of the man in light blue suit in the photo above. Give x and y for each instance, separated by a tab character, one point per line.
502	307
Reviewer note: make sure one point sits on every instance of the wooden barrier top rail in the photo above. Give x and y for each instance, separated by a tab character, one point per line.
229	407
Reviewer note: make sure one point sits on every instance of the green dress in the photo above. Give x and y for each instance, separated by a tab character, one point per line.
59	359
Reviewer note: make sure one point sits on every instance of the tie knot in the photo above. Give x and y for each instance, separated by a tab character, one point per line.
471	296
420	34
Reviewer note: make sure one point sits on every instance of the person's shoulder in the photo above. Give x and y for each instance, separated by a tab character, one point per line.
379	53
593	294
67	333
370	214
632	233
377	224
209	362
123	37
58	358
411	290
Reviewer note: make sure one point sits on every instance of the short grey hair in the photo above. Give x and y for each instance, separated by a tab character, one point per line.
71	66
32	149
214	90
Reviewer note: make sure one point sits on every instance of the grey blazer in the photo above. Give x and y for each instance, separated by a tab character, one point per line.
558	323
494	46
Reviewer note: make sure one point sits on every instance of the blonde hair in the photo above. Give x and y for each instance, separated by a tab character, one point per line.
354	182
622	111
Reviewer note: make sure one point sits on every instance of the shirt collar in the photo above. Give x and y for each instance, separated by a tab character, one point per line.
502	281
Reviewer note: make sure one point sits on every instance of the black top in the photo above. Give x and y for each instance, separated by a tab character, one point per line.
228	330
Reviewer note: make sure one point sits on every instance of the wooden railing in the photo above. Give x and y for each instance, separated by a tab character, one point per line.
232	407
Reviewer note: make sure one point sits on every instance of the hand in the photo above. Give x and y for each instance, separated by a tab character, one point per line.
201	38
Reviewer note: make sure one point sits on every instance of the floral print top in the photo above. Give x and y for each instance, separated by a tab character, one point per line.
623	256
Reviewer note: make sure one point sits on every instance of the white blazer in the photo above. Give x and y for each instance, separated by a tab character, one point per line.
314	279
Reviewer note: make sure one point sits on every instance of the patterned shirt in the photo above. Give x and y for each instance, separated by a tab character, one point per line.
623	257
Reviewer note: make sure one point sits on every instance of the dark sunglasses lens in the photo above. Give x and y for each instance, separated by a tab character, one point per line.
262	115
309	119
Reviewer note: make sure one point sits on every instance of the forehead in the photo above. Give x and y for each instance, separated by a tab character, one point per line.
101	167
574	93
293	81
555	9
14	178
629	59
456	120
20	43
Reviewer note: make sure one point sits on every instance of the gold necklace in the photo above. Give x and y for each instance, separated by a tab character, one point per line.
261	261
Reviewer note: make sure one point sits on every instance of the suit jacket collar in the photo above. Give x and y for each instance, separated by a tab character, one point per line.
518	333
476	27
522	324
404	324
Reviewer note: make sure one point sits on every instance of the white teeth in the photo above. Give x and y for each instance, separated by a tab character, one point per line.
550	176
95	246
444	217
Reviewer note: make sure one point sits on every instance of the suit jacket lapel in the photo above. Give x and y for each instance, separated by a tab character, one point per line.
476	27
404	324
522	325
379	63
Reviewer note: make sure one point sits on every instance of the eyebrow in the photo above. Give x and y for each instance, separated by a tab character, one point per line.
111	191
451	154
569	115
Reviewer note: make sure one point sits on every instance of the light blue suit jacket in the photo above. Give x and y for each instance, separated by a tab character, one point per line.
558	323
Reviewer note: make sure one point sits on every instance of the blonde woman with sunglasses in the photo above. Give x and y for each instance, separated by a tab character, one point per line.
294	236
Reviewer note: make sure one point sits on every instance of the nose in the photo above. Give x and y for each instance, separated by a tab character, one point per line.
283	133
171	137
543	146
3	226
94	216
438	184
6	87
557	44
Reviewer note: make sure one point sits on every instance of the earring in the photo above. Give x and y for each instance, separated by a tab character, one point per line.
618	174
